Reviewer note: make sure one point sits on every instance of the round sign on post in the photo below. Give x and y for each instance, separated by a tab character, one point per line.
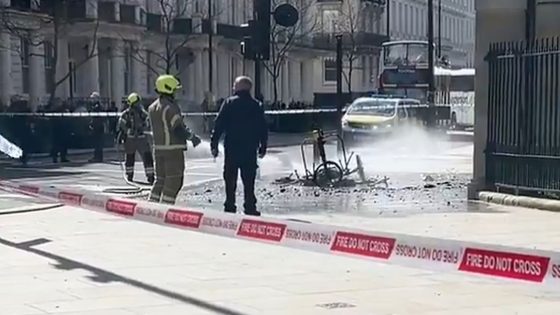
286	15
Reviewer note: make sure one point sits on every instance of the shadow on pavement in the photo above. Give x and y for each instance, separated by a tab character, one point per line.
104	276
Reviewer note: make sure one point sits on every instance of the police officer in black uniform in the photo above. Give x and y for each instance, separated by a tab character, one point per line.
97	128
241	119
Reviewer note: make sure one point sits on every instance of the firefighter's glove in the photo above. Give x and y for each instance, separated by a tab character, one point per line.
214	152
120	138
262	152
195	140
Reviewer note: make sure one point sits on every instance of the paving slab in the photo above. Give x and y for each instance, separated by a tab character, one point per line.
484	223
72	261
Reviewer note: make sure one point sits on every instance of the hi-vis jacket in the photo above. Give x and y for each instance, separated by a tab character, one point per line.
169	131
134	122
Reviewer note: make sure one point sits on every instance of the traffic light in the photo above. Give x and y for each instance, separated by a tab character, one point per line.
256	34
247	46
261	32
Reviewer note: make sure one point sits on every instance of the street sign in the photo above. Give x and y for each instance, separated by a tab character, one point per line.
286	15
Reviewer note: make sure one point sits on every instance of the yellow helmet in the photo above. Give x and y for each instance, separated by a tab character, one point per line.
167	84
133	99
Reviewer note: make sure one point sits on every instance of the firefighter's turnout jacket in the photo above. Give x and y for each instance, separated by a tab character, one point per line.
132	126
170	140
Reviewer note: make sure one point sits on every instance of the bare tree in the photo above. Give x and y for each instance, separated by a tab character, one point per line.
173	41
52	25
283	39
351	18
348	27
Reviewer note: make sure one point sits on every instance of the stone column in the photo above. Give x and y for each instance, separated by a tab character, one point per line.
137	84
200	77
496	21
117	71
215	73
63	89
105	82
191	84
266	85
285	83
117	11
248	69
295	80
307	86
91	68
5	69
36	75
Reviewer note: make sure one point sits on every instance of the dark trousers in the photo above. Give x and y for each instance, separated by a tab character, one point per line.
98	141
147	159
23	142
247	163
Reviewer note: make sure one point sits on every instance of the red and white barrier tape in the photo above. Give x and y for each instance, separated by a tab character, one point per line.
532	266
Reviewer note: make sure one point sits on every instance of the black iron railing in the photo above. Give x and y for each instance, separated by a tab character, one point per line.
523	144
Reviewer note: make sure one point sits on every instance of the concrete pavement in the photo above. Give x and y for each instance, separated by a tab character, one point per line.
11	203
74	262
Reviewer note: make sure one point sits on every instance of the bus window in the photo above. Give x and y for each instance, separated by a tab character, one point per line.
417	54
395	55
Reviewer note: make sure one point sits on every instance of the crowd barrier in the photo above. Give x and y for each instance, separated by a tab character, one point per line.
519	264
35	131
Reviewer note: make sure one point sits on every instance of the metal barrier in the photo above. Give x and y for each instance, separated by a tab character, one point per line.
523	144
36	132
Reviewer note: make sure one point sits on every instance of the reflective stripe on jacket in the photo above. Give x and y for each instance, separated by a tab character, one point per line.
134	122
168	128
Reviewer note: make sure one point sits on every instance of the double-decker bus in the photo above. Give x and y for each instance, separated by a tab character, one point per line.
404	69
455	88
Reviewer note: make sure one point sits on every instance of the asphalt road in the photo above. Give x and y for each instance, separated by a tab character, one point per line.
426	174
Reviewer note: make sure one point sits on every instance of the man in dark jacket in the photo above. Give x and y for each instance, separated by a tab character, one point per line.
60	133
97	128
241	119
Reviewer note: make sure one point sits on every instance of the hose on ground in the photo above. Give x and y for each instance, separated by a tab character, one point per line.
135	188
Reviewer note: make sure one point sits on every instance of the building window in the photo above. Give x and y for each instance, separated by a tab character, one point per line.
106	11
127	14
329	70
329	20
24	51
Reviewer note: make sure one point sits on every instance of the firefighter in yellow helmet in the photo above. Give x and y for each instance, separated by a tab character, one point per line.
170	140
132	126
